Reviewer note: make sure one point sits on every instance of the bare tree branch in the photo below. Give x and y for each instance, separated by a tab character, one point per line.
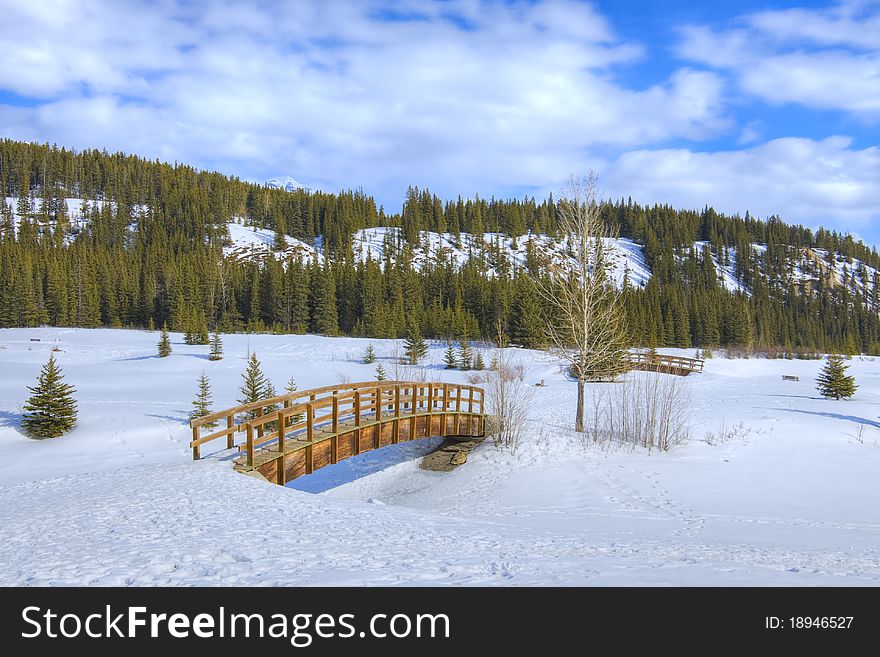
586	329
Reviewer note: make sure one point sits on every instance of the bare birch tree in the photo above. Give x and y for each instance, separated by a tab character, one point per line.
586	329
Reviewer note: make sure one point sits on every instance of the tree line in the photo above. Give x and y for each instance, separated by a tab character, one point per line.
150	253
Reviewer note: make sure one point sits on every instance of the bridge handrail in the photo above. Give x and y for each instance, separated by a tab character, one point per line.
354	398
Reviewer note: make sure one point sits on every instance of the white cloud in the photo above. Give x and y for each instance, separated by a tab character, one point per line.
328	92
801	180
820	58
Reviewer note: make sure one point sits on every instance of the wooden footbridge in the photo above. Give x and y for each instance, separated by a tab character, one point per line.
292	435
678	365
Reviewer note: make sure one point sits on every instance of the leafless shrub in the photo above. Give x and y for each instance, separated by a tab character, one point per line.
859	435
725	434
645	410
508	397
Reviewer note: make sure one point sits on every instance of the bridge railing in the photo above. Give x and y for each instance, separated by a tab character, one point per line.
660	362
301	414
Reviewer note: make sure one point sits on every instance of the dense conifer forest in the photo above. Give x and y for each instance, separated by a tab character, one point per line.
151	252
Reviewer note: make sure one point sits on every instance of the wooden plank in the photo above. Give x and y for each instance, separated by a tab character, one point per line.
195	443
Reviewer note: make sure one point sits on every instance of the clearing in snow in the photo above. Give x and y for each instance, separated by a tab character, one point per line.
776	486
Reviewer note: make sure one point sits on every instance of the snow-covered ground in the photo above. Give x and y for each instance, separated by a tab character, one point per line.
790	500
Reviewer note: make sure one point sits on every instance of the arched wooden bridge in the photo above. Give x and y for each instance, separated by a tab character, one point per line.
322	426
679	365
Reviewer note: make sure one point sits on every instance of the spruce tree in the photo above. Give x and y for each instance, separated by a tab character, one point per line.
202	403
369	354
216	347
449	358
290	388
51	410
254	386
380	372
200	329
465	354
164	342
479	364
833	381
414	347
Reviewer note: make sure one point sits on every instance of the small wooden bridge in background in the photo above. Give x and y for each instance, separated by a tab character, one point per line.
678	365
295	434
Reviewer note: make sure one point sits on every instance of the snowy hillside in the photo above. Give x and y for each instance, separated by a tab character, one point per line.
436	248
789	499
494	251
248	243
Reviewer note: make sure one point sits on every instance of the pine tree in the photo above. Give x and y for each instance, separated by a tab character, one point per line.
51	410
380	373
254	385
833	382
479	364
202	403
449	358
164	342
152	325
290	388
414	347
465	354
216	347
369	354
200	330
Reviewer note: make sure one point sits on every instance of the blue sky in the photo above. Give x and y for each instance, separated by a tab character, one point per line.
770	107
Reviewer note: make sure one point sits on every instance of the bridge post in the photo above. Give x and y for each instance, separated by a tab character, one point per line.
357	408
395	432
310	421
230	437
378	404
281	430
445	407
250	443
196	454
458	409
335	414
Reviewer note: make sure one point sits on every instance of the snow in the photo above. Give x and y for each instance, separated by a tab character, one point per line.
248	242
288	184
626	256
791	499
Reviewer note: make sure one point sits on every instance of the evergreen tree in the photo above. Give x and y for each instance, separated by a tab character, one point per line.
290	388
200	330
164	342
201	405
369	354
833	381
254	386
479	364
216	347
414	346
380	373
465	354
449	358
51	409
